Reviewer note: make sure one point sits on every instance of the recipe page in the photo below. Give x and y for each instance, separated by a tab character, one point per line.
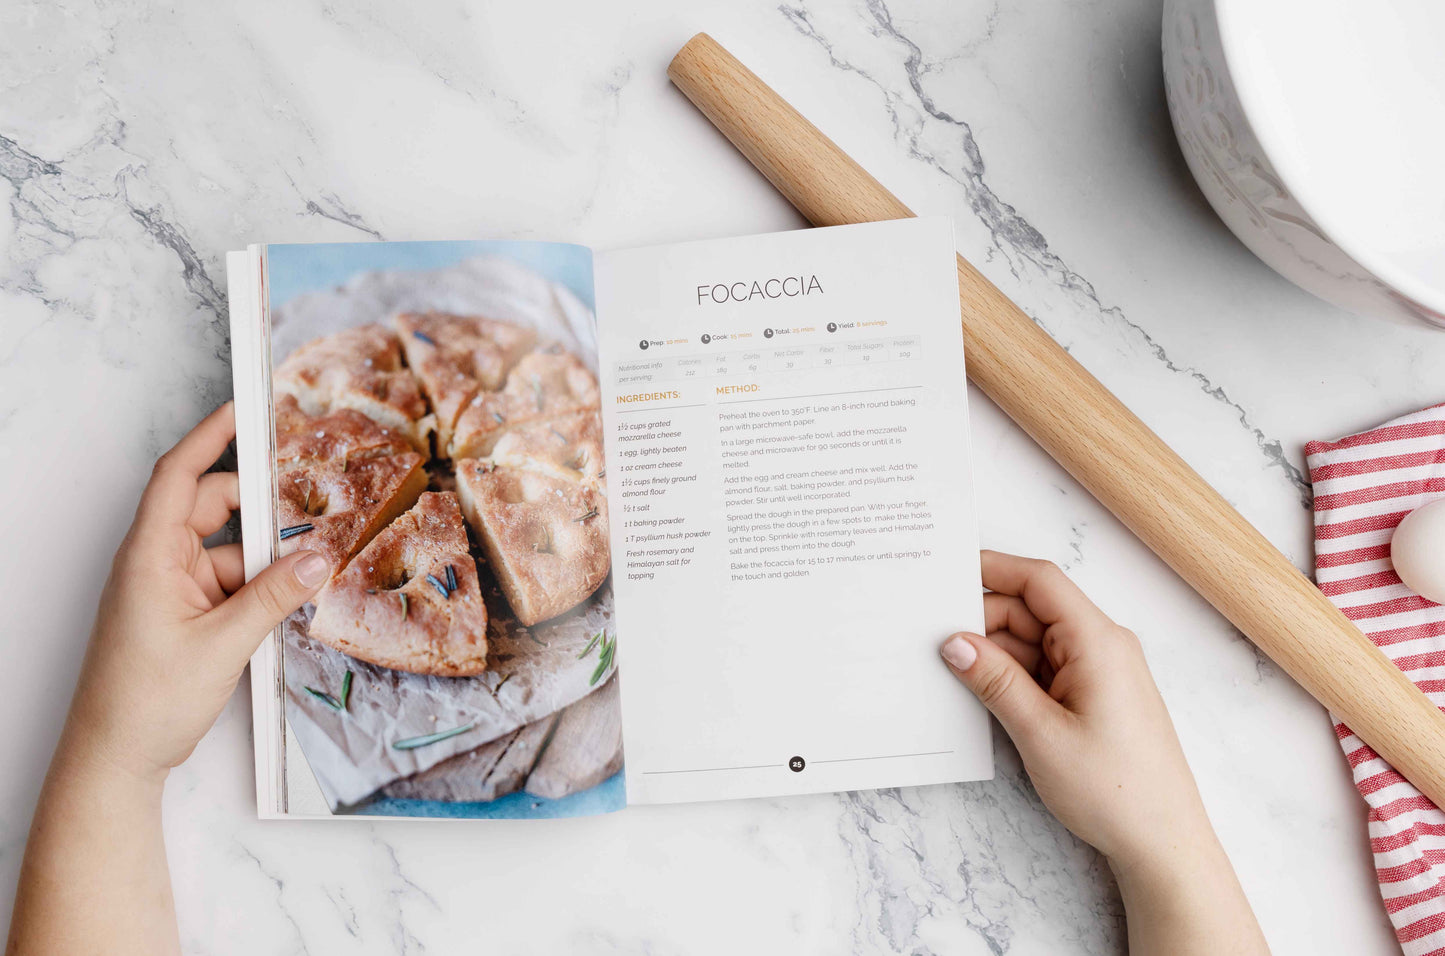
791	502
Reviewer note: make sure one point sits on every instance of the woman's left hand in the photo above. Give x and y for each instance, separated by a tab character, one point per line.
177	622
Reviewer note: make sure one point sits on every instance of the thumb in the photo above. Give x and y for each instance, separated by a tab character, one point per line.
246	617
999	681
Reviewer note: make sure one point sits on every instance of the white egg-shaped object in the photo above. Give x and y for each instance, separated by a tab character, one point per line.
1418	551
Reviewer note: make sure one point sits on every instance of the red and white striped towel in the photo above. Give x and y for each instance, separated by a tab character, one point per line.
1364	485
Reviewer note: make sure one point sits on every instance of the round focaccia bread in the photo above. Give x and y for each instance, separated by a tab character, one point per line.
456	356
544	385
545	538
410	600
340	478
362	369
347	473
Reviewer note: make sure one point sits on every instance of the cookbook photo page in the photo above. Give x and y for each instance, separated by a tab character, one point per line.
437	437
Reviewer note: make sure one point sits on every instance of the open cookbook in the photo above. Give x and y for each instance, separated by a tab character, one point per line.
736	470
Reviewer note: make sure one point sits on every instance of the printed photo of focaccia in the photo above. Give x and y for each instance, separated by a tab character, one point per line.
370	418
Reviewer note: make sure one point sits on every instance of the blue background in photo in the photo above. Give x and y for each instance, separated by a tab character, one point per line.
607	796
294	268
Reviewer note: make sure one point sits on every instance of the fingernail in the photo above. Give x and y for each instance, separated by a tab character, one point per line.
312	570
960	653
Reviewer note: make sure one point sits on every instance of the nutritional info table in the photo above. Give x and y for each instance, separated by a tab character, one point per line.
766	358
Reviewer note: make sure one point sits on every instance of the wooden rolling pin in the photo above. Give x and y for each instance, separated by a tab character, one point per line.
1101	443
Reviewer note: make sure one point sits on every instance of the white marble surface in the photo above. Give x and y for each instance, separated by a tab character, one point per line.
138	143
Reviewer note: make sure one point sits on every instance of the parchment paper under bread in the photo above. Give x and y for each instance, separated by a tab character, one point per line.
532	672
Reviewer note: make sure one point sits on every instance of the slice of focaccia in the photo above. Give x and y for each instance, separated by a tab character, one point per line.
340	478
457	356
568	447
359	368
410	600
545	538
545	384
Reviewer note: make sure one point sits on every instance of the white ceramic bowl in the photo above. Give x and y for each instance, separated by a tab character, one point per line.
1316	129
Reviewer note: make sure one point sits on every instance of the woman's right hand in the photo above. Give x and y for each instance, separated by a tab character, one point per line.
1073	691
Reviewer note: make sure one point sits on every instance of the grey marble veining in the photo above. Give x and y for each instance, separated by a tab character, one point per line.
139	143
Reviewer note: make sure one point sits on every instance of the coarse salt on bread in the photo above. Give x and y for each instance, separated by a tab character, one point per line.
343	475
360	368
544	385
456	356
545	538
393	605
